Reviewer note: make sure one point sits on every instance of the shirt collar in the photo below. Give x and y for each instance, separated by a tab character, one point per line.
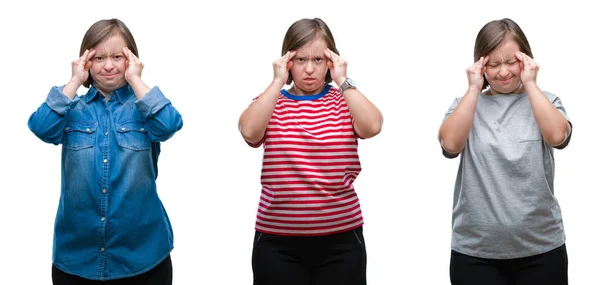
122	94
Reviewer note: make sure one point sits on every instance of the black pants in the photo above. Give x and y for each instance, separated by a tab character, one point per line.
162	274
548	268
316	260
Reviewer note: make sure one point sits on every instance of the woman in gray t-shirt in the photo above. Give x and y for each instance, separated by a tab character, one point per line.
506	223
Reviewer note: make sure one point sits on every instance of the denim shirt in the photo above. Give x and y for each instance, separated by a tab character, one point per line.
110	221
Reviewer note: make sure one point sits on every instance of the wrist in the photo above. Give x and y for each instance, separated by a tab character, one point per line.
74	82
529	85
346	84
339	81
278	83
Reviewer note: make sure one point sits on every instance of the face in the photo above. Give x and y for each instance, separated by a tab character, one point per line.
503	70
108	64
310	68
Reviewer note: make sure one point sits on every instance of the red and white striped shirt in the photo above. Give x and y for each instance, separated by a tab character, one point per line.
310	162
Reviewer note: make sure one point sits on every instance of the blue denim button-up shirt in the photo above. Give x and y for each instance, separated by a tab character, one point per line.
110	221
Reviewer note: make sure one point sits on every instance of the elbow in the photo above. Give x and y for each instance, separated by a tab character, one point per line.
370	130
556	139
44	134
250	135
451	147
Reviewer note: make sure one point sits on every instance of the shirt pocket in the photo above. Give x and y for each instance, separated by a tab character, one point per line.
133	136
79	135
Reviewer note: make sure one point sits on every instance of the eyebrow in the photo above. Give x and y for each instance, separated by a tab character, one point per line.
500	61
108	54
309	56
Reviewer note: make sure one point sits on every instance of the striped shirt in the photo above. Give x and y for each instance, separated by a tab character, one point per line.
310	162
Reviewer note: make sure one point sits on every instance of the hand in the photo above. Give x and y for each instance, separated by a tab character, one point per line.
529	68
475	73
133	64
282	66
80	67
337	66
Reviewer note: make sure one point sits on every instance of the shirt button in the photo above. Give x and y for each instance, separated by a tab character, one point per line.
102	249
122	129
105	160
87	130
102	219
103	191
142	129
106	134
67	128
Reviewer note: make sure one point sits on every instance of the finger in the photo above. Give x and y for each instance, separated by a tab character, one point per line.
132	55
125	53
486	59
328	53
519	56
83	57
291	55
90	55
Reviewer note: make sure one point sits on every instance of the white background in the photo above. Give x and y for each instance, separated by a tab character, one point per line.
212	59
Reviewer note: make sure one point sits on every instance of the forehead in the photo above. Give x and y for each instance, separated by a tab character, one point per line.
316	46
112	43
506	49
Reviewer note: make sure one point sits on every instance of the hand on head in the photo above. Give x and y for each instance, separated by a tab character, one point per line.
133	65
529	68
282	66
337	66
476	72
81	66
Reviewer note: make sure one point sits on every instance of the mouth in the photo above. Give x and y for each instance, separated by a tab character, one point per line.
309	80
505	81
108	76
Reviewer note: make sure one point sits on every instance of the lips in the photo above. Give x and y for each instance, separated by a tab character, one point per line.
309	80
109	75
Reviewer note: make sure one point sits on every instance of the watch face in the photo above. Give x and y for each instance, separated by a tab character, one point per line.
350	82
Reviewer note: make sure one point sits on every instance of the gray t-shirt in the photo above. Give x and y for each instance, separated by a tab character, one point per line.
504	204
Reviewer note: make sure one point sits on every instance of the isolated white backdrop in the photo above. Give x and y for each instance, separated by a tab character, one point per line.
211	58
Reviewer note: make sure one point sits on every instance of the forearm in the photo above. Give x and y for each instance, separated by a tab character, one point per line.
254	120
367	117
162	119
139	87
552	124
455	130
70	89
50	119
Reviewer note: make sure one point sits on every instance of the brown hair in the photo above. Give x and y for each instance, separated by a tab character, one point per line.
496	32
102	30
304	31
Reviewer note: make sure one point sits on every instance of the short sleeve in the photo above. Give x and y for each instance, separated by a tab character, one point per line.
258	144
557	103
452	107
448	113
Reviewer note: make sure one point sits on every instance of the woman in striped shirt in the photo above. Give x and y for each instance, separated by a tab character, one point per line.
309	223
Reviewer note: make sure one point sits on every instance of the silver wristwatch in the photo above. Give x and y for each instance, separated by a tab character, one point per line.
347	84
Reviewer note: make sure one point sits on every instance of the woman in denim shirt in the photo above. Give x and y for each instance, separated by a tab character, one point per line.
110	225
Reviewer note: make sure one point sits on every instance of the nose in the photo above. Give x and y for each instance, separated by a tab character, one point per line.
310	68
504	72
109	64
